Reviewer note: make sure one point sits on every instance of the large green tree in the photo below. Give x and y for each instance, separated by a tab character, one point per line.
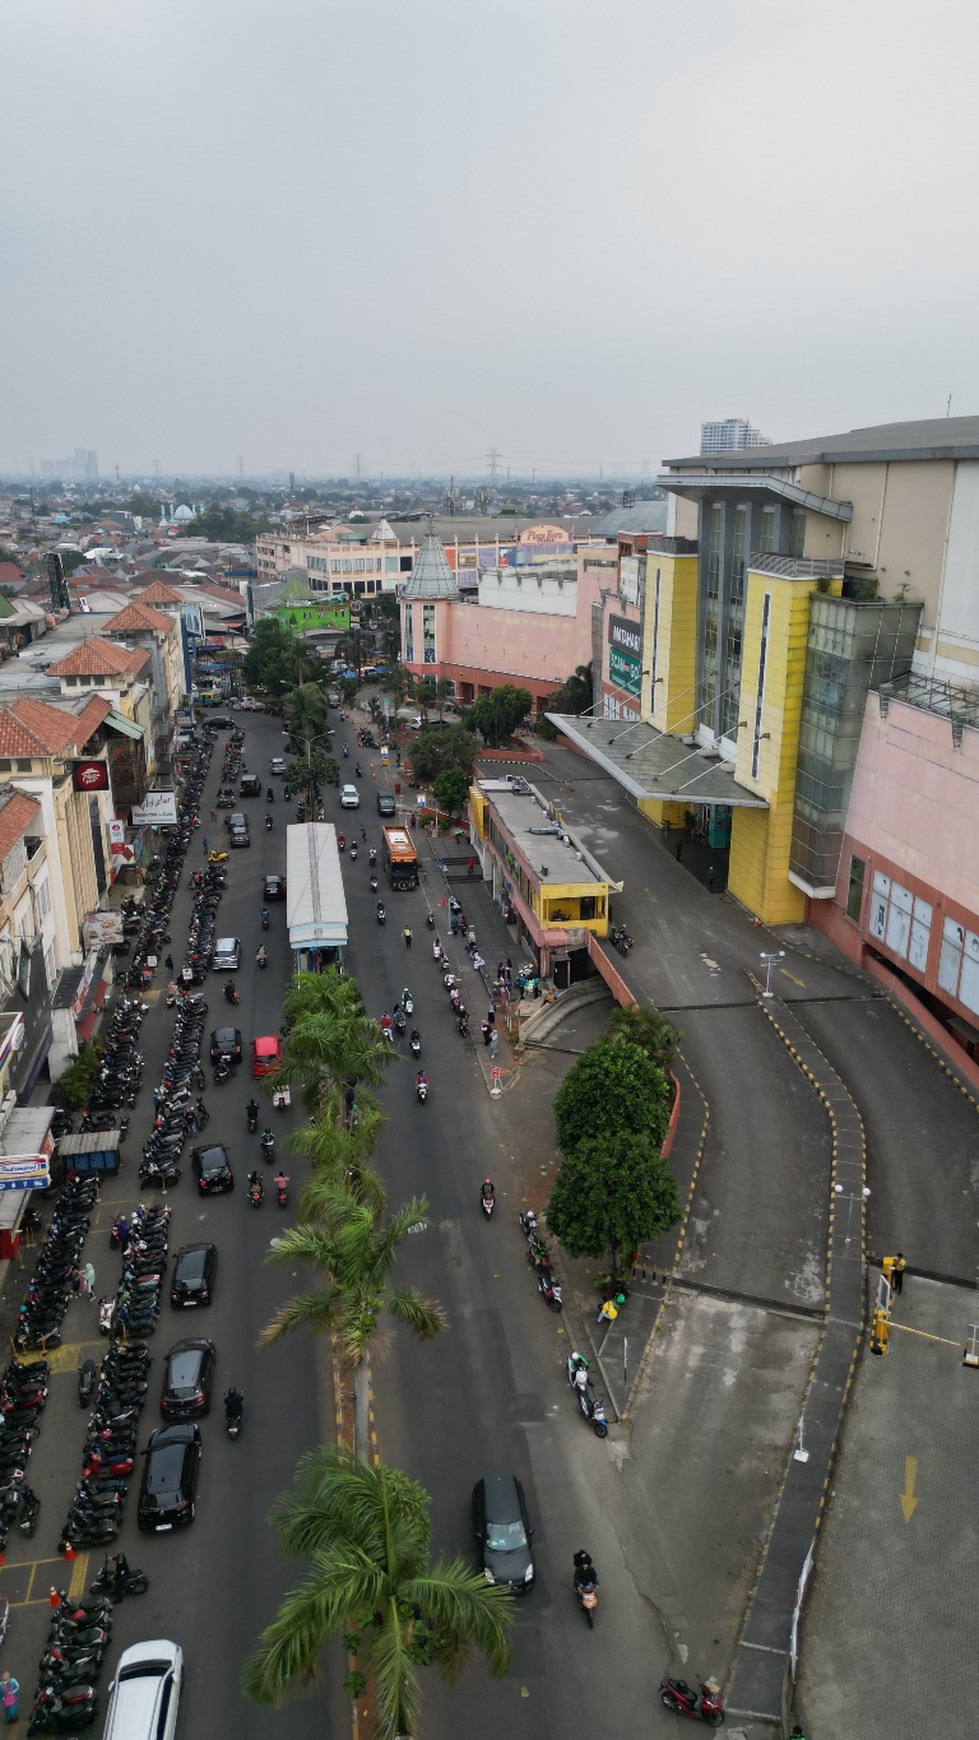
497	715
366	1533
354	1251
613	1089
277	659
331	1044
656	1036
612	1193
435	752
307	714
450	791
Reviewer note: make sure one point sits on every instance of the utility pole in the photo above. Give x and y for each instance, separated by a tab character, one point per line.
357	459
493	458
241	465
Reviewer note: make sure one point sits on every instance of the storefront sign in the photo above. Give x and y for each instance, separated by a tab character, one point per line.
100	929
117	842
90	776
625	635
157	810
624	672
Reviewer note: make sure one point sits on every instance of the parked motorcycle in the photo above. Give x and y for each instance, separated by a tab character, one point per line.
706	1705
87	1374
58	1711
592	1411
549	1288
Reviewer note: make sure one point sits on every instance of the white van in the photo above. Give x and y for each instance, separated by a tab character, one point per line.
144	1697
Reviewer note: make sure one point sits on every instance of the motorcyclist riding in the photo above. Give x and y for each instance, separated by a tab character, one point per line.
264	915
268	820
487	1188
234	1403
584	1571
255	1185
385	1025
262	956
372	856
251	1111
270	795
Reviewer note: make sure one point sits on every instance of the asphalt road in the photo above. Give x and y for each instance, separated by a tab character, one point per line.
213	1586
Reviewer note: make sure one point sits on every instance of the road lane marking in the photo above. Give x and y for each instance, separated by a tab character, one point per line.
909	1503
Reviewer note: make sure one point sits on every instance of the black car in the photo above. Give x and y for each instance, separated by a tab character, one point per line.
274	888
212	1169
188	1373
226	1042
385	804
239	837
503	1532
237	819
219	722
194	1270
170	1474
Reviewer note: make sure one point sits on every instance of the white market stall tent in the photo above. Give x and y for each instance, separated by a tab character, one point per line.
316	906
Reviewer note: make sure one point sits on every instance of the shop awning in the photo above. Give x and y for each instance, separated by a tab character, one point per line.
119	722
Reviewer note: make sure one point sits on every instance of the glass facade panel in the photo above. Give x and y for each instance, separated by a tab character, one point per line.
854	890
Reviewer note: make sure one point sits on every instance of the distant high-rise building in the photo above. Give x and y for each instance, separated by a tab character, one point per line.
83	468
730	435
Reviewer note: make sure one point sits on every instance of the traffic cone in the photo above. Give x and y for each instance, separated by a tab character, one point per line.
54	1599
70	1552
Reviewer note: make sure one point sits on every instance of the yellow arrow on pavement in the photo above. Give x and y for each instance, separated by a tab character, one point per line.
909	1503
787	975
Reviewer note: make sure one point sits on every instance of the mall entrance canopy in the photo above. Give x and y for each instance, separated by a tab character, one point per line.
654	765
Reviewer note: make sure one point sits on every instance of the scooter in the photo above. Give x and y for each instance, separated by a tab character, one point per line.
593	1411
353	851
381	914
407	1001
30	1510
231	994
374	884
487	1202
587	1594
234	1410
282	1190
268	822
251	1119
256	1191
265	918
59	1711
421	1087
706	1705
549	1288
267	1144
415	1043
87	1374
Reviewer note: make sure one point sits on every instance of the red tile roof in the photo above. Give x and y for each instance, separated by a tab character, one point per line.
17	811
16	740
53	729
100	658
137	618
158	593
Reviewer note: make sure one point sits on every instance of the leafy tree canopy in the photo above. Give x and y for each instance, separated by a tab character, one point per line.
277	659
225	526
496	716
612	1193
435	752
613	1090
646	1028
450	791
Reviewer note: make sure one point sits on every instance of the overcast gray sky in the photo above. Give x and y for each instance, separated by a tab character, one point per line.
296	230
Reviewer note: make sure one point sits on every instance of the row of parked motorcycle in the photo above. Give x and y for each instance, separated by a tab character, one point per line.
178	1112
118	1390
154	912
66	1698
50	1288
23	1393
120	1071
208	885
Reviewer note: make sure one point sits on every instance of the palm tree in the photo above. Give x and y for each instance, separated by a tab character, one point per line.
366	1531
339	1155
444	689
578	690
355	1251
306	713
330	1042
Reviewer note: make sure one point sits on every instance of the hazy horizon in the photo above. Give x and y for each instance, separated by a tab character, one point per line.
267	238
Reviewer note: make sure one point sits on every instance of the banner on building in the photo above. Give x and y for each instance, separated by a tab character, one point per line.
157	810
122	853
90	775
24	1172
101	929
625	654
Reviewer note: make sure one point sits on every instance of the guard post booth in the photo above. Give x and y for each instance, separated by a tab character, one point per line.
316	906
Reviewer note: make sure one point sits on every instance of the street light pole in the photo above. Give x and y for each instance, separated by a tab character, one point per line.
770	961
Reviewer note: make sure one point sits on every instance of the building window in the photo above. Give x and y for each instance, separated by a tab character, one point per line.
854	890
902	922
23	766
797	533
958	964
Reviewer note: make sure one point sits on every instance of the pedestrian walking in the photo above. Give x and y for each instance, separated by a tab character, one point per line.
499	972
509	971
494	1043
168	963
478	962
471	937
407	936
205	848
710	879
9	1696
471	867
88	1276
214	815
898	1272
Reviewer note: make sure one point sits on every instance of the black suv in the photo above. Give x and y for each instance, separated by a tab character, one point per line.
226	1042
194	1270
170	1473
385	804
274	888
212	1169
188	1373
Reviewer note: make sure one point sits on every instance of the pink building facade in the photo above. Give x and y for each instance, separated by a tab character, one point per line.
907	895
530	628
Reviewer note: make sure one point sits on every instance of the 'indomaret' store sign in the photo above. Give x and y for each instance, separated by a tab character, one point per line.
625	654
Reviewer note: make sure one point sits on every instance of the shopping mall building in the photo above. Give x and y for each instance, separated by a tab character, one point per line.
792	672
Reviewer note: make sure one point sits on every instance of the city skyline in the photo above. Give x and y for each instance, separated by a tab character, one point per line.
248	241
